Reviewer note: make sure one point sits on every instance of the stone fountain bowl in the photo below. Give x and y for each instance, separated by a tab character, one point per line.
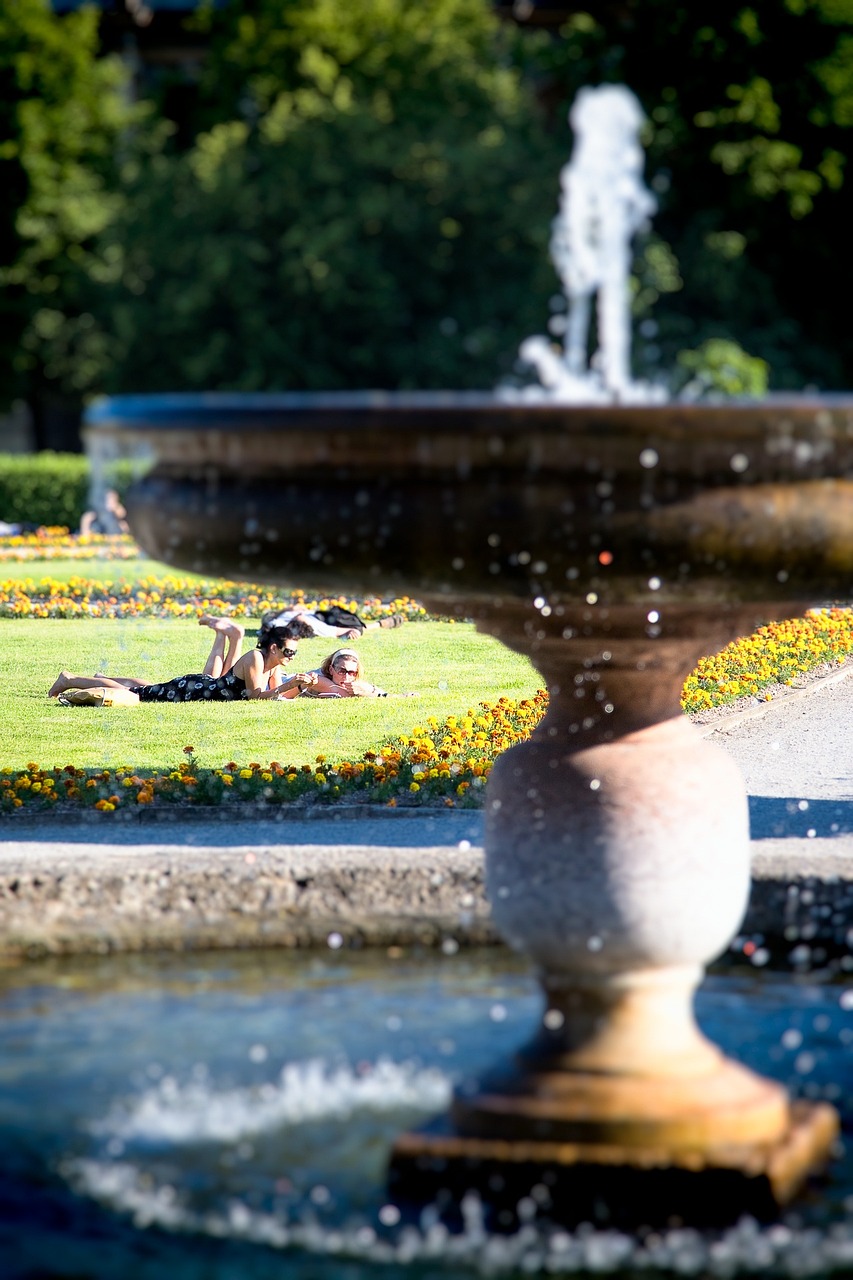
614	545
464	498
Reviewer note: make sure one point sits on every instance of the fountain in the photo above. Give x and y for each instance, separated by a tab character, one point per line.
614	543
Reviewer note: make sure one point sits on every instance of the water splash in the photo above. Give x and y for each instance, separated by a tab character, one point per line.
305	1092
748	1248
603	203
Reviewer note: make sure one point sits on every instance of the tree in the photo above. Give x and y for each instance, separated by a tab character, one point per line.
368	204
63	112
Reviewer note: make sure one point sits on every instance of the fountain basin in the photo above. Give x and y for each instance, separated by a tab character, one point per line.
471	498
614	545
139	1140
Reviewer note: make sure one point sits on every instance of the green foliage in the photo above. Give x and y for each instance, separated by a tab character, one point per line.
722	368
63	110
369	205
49	488
361	194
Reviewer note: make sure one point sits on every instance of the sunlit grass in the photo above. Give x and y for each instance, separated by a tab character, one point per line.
448	666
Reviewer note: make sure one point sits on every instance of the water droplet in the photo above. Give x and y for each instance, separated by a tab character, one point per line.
553	1019
335	941
591	598
389	1215
497	1013
594	943
648	458
739	462
258	1053
595	783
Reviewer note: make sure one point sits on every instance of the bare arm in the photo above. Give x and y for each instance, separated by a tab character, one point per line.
296	684
254	675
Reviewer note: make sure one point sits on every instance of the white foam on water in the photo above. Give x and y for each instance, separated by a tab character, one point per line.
746	1249
196	1111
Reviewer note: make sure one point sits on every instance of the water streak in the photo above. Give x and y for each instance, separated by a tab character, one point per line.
310	1091
603	203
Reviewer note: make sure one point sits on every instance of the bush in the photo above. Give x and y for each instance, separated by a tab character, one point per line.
49	488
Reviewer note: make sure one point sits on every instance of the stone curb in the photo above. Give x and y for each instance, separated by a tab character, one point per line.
94	899
232	813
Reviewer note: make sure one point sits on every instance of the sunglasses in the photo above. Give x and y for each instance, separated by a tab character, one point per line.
288	653
347	671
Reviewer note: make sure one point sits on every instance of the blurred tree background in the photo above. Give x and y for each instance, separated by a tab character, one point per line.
354	193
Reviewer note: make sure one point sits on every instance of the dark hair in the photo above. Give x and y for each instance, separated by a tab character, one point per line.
298	630
268	636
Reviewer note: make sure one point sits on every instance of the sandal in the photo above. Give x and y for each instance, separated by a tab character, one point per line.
395	620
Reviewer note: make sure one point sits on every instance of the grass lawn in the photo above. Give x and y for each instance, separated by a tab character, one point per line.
101	570
449	666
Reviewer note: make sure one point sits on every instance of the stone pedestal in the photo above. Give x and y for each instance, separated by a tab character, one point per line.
618	860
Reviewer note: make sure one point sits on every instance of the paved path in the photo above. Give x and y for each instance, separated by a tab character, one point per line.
796	755
393	876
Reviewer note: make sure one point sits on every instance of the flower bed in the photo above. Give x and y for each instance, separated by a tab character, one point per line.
774	655
171	596
56	543
438	763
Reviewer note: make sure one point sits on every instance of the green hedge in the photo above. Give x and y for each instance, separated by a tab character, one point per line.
49	488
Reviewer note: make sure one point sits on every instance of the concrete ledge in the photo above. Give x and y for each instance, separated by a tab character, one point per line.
87	898
62	898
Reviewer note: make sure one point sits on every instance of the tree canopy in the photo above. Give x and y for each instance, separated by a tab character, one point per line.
64	111
360	194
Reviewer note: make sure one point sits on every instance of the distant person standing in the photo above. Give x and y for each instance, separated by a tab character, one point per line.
111	519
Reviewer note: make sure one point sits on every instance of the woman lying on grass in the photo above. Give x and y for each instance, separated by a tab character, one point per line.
226	677
340	676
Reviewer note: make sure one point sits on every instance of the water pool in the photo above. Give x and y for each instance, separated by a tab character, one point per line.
230	1114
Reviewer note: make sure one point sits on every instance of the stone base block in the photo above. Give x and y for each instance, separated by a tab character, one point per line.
610	1185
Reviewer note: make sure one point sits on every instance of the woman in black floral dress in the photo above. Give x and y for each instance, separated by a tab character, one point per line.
224	679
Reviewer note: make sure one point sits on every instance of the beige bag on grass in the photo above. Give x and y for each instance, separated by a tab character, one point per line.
99	697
